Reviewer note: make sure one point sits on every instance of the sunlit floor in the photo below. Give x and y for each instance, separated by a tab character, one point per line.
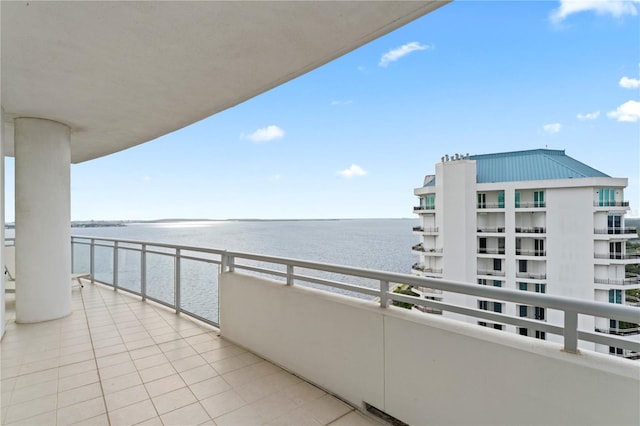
119	361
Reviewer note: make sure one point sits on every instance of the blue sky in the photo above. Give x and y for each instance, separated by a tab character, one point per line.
353	138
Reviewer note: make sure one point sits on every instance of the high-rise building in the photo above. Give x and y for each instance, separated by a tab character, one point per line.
535	220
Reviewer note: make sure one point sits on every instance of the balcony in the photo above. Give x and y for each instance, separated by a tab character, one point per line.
611	204
531	230
423	230
420	248
531	205
491	229
617	256
491	272
152	362
532	275
423	208
635	280
523	252
482	250
615	231
490	205
427	269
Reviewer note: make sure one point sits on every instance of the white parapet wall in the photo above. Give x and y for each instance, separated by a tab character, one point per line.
424	369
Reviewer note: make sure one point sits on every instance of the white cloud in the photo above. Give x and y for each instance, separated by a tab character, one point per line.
628	112
616	8
265	134
629	83
338	102
552	128
352	171
395	54
589	116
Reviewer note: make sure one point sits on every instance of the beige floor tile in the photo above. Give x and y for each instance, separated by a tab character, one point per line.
77	368
302	392
80	411
209	387
256	390
228	364
273	406
80	394
248	358
154	421
150	361
101	420
192	414
297	417
180	353
199	338
137	344
81	347
222	403
76	357
31	408
246	416
77	380
116	384
109	360
164	385
34	392
144	352
133	414
356	418
327	408
156	372
117	370
198	374
46	419
168	337
33	367
173	400
35	378
188	363
110	350
241	376
128	396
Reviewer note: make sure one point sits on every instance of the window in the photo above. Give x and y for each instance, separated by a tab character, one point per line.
482	281
541	335
498	326
497	283
523	310
483	245
518	245
538	247
482	201
501	200
497	307
614	224
517	199
615	351
606	197
500	245
522	266
541	288
522	286
615	250
430	201
523	331
497	264
482	304
538	199
615	296
539	313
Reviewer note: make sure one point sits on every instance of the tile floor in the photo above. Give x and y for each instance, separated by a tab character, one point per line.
119	361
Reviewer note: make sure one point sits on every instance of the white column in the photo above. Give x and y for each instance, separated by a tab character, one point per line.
42	190
2	231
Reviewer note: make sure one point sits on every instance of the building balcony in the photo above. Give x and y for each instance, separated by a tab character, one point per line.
531	205
491	229
428	251
490	250
148	352
618	256
427	230
615	231
523	252
491	272
531	230
532	275
417	209
612	281
611	204
481	206
419	267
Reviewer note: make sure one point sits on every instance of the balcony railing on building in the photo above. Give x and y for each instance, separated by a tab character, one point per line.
523	252
491	272
617	256
484	250
615	231
532	275
530	230
431	230
423	268
493	229
490	205
611	204
418	208
531	204
635	280
420	247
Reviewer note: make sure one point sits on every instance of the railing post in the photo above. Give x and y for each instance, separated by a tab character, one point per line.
92	260
384	294
72	253
115	266
289	274
227	263
570	331
143	272
176	281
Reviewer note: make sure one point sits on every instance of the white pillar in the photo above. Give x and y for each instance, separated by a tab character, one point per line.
42	190
2	230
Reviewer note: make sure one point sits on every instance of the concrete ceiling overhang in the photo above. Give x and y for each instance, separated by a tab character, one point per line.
123	73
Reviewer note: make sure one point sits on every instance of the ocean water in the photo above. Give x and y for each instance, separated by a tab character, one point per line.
381	244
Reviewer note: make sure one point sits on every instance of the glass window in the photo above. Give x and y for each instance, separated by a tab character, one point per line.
497	264
482	281
482	304
539	313
522	266
501	200
497	307
522	286
541	288
430	201
497	283
482	201
615	296
524	310
538	199
517	199
523	331
607	197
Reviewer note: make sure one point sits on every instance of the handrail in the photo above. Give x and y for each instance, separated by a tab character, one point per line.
571	307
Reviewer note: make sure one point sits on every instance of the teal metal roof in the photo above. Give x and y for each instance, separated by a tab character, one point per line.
535	164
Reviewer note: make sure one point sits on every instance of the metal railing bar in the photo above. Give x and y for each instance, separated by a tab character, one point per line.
609	340
261	270
200	318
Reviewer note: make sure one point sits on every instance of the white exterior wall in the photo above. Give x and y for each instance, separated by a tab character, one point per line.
424	369
2	219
